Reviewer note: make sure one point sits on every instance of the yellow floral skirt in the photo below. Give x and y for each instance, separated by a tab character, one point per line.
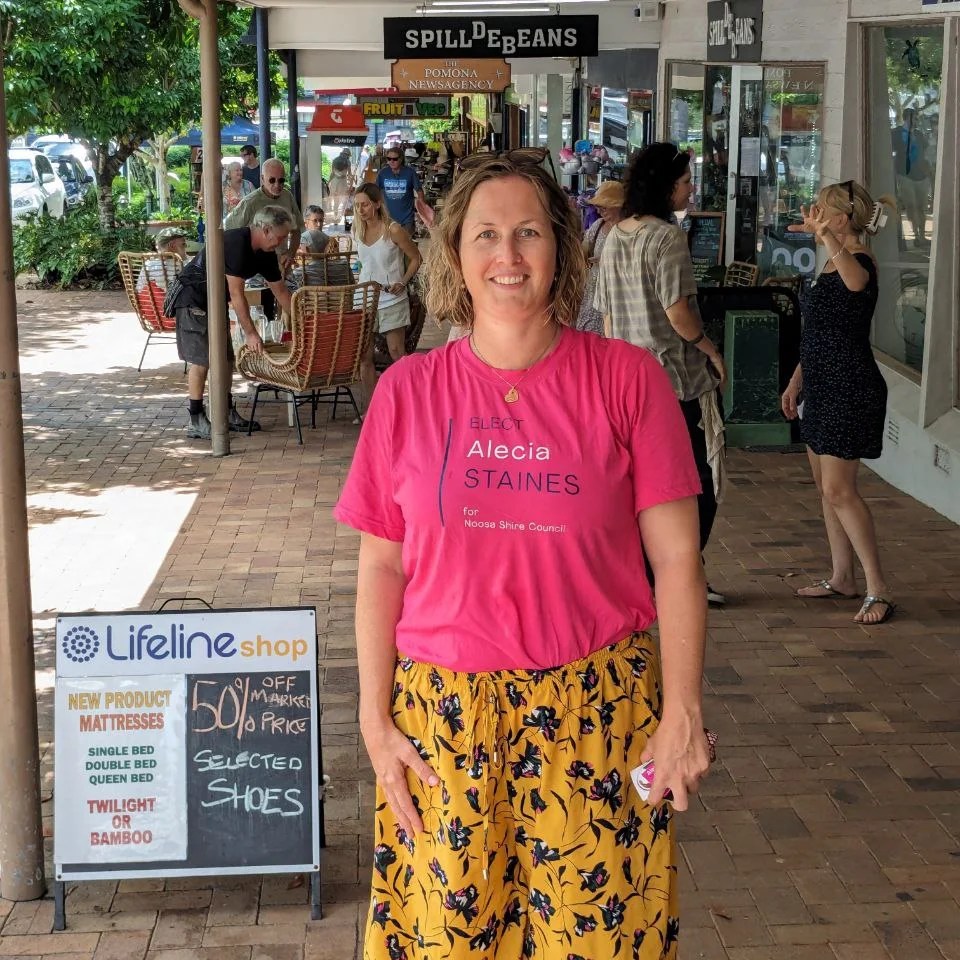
535	842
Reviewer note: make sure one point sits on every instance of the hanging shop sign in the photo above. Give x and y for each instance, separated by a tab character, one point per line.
451	76
559	36
404	108
734	30
187	744
339	126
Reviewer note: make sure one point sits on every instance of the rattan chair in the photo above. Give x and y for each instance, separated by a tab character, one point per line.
146	277
330	269
792	282
331	332
418	314
740	274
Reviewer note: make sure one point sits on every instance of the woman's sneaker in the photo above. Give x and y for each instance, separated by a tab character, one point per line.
198	427
715	597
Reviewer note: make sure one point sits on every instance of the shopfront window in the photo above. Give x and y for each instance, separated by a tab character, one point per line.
791	126
685	116
755	133
905	65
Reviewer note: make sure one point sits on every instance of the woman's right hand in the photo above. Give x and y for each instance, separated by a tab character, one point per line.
719	368
788	402
392	754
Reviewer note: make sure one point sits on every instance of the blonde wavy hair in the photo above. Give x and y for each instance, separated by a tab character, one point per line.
375	195
867	216
447	296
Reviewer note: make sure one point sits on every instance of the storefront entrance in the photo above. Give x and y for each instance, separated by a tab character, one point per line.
754	133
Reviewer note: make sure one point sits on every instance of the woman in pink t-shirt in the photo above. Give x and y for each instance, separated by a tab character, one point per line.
506	488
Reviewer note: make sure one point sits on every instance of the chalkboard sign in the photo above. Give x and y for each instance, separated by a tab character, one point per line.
187	744
705	237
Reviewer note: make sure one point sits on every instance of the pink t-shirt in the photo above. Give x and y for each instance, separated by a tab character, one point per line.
518	521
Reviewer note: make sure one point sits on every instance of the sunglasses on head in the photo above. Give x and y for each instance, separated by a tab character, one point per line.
849	185
276	179
520	157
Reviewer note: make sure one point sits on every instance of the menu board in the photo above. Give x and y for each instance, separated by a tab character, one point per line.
705	237
186	744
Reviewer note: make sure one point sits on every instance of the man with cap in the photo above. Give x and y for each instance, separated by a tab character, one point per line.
247	252
158	271
251	165
608	202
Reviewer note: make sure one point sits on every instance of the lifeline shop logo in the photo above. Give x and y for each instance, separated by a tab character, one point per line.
80	644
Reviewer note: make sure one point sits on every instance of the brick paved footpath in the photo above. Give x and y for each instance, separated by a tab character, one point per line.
829	830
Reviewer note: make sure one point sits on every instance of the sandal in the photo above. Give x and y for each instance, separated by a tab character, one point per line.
832	594
868	603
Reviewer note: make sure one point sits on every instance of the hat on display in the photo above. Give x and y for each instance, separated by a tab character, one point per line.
610	193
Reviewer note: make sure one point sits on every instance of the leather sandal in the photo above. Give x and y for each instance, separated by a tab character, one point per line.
833	594
868	603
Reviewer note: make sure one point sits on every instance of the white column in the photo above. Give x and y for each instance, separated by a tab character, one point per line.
554	113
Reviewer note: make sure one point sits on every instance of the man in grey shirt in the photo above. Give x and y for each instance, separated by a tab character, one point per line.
272	192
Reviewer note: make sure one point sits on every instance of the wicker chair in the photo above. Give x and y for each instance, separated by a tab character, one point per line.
418	314
793	282
740	274
330	269
331	332
145	279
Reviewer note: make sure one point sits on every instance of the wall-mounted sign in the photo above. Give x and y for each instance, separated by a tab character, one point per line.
451	76
337	119
559	36
940	6
405	108
733	31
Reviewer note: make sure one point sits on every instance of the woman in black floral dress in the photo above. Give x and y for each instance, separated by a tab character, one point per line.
844	395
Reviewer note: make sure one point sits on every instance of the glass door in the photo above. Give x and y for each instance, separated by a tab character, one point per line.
733	96
754	134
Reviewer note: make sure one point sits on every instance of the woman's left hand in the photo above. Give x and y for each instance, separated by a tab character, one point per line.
681	758
813	221
395	288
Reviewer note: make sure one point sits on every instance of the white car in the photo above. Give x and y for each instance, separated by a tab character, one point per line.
34	186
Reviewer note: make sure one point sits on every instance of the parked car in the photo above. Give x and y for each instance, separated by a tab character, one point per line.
34	186
76	181
60	146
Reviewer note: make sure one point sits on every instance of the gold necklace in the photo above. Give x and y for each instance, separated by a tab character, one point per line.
513	394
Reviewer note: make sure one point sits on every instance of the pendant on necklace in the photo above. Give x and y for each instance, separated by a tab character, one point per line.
512	395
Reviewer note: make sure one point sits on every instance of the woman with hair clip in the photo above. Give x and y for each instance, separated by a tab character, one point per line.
647	294
506	487
844	395
388	256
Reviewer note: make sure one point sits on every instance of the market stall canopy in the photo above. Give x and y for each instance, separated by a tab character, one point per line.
238	132
339	126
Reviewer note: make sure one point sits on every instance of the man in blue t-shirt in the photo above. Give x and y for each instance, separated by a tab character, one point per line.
401	188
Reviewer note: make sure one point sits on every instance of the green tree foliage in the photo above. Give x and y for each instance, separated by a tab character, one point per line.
115	73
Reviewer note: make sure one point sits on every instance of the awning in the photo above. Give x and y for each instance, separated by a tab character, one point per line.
238	132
